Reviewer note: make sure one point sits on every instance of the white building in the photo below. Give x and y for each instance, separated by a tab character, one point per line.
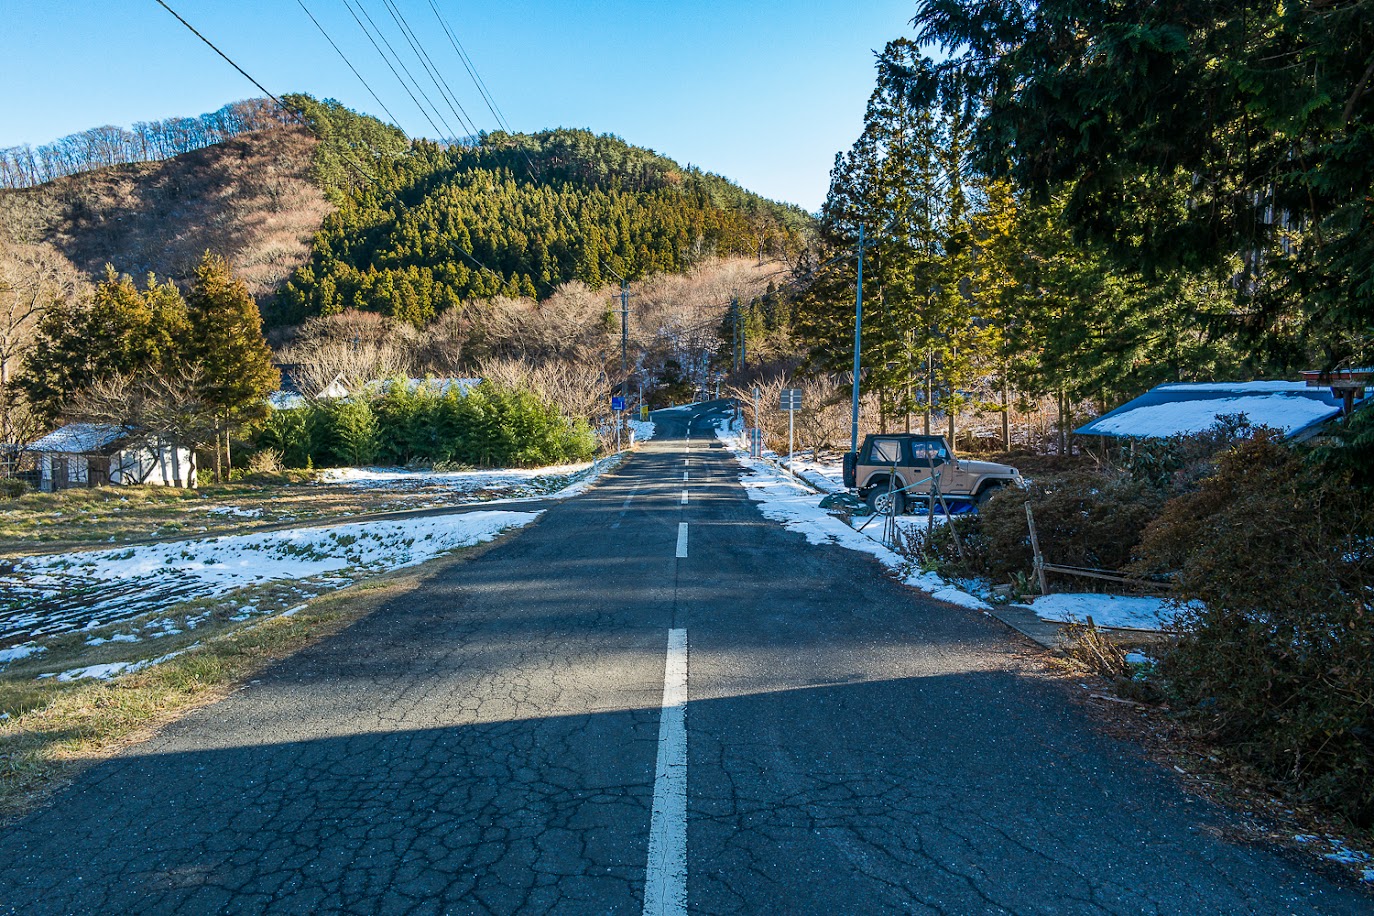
92	455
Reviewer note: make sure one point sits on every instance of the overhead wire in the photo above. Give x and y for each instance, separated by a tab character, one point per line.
501	122
246	75
471	68
445	91
297	115
404	69
344	57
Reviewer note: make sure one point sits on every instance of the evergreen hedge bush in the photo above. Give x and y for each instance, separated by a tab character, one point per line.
397	423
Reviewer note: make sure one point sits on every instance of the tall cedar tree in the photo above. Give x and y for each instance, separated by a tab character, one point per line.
226	341
227	345
1227	138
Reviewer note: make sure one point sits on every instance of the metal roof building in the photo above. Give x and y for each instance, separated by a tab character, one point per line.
1182	408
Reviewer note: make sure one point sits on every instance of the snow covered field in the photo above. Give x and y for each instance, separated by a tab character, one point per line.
462	481
50	595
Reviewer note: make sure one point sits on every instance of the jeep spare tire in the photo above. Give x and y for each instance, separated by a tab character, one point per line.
884	501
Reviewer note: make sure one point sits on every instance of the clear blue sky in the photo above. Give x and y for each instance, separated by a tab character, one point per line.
764	92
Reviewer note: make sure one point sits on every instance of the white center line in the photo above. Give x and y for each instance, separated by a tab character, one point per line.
681	539
684	475
665	879
684	497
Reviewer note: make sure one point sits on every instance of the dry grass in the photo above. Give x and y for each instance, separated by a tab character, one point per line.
90	518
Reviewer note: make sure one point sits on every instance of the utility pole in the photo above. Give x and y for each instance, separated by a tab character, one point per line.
858	338
624	328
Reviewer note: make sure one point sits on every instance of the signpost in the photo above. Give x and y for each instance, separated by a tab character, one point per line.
755	442
790	400
618	406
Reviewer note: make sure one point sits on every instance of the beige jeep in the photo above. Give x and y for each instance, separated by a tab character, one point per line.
893	471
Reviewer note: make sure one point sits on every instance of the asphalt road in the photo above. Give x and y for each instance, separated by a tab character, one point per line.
511	739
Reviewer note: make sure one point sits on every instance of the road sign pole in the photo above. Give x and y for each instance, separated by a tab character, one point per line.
790	415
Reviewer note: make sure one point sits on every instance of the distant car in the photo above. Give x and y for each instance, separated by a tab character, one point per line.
892	471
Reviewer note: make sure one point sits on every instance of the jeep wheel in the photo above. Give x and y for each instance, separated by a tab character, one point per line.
985	494
884	501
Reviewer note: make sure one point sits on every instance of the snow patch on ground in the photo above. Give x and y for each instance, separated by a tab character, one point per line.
236	512
409	479
784	500
15	653
84	591
643	429
1106	610
114	669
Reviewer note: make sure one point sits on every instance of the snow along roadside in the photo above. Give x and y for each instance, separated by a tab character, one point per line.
784	500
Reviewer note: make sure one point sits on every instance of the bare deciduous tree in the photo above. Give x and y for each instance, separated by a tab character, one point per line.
357	346
32	277
166	407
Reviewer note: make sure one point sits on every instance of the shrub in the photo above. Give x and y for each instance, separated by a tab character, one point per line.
1083	518
348	433
290	434
490	425
12	488
1279	656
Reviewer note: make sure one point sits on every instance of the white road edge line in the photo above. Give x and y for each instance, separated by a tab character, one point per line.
681	539
665	877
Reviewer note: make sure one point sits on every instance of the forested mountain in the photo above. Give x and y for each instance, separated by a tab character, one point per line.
517	215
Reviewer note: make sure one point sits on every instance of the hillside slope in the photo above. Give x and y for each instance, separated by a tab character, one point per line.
250	198
519	215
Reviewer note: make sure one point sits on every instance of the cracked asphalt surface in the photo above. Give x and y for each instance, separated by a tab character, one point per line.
487	745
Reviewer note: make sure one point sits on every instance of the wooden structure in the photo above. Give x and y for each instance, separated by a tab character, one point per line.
1346	384
93	455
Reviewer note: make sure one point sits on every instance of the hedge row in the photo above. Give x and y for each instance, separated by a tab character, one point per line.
400	424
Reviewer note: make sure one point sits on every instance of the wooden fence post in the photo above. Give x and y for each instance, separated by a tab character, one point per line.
1035	548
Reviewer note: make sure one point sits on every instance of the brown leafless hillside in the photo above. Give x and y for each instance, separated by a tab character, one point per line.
249	198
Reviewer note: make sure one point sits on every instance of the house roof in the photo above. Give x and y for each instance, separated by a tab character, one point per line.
79	438
1179	409
442	385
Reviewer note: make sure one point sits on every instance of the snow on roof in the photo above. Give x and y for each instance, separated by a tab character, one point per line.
79	437
1179	409
443	385
286	400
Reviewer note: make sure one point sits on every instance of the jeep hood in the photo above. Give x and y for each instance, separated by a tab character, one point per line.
987	468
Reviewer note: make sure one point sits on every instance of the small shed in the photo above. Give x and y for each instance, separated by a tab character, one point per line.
93	455
293	393
1183	408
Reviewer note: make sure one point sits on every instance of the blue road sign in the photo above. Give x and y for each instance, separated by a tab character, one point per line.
617	403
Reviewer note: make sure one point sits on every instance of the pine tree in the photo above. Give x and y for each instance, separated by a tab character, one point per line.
228	345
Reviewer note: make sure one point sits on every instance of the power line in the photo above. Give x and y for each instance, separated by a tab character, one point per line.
295	114
376	98
501	122
261	88
231	63
445	91
472	71
424	111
